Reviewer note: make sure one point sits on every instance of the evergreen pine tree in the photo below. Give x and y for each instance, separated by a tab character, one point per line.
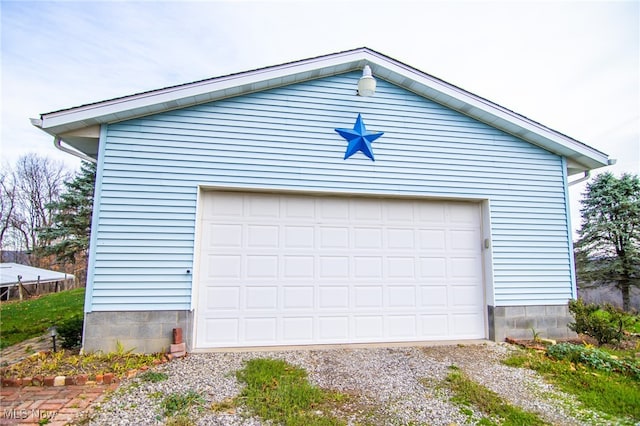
608	249
68	236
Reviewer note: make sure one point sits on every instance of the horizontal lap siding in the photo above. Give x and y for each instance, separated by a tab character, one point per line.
285	139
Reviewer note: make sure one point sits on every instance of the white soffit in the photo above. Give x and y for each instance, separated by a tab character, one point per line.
383	67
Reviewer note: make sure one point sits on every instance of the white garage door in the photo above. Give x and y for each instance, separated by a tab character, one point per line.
298	269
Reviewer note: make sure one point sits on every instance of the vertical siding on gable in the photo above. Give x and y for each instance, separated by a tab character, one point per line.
284	139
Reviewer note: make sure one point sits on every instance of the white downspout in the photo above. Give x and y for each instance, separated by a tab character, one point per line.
587	175
57	142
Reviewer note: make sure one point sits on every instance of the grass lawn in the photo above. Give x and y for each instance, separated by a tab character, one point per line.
615	394
31	318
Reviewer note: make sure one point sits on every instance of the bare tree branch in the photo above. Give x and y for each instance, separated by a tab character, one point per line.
28	190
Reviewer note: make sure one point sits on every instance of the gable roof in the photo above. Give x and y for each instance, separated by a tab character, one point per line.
79	126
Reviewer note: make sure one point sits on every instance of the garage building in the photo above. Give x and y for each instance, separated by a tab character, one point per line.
297	204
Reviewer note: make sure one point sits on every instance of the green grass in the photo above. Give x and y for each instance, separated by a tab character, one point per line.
180	403
153	376
607	392
178	408
31	318
468	393
281	393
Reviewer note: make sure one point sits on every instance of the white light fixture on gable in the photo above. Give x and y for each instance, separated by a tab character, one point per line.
366	84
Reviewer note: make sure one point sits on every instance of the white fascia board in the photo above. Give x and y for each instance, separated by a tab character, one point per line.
486	111
191	94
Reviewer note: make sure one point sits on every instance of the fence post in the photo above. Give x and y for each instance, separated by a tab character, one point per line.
20	288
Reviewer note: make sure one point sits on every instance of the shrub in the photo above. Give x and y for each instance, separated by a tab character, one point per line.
605	324
632	325
594	358
70	332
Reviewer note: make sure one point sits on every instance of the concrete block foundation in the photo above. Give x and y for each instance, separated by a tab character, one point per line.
140	331
519	322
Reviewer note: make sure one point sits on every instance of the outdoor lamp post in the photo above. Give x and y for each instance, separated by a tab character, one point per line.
53	332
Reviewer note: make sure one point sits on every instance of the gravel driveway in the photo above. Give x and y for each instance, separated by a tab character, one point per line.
397	386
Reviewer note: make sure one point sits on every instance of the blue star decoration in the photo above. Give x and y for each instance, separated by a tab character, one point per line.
359	139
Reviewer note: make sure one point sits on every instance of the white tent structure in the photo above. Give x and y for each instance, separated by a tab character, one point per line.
15	275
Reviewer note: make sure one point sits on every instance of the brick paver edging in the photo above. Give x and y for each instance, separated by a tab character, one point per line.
80	379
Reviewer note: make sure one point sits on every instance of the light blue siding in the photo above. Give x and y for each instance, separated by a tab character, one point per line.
284	139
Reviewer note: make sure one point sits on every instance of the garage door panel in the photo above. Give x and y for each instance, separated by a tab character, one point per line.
260	330
401	238
434	240
298	329
223	205
299	267
262	267
333	238
222	267
401	326
465	295
222	298
262	236
332	209
223	235
302	237
463	213
463	267
298	297
400	212
467	325
435	296
333	329
368	327
401	296
464	239
262	206
435	326
289	269
334	267
333	297
368	297
261	298
299	208
433	268
367	238
367	267
222	330
431	213
401	268
366	210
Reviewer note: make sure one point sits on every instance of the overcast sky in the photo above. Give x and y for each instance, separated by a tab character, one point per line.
573	66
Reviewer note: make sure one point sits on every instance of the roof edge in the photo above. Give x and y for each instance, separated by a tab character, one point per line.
383	66
242	75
